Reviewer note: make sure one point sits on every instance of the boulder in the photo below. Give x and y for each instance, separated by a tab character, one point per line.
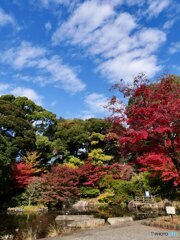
73	217
15	210
119	220
81	204
86	204
87	223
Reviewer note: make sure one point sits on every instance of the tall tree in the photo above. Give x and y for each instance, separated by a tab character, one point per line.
70	135
15	128
151	136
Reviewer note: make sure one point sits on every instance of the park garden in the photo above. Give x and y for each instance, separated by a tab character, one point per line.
53	162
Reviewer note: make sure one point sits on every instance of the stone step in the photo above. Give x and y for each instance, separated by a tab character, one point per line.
119	220
87	223
73	217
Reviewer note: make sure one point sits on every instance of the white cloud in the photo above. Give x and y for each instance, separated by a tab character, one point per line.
5	18
157	6
48	26
22	92
25	55
84	115
55	4
168	24
3	87
96	103
174	48
62	75
88	16
95	106
120	46
58	2
29	93
129	65
112	38
48	69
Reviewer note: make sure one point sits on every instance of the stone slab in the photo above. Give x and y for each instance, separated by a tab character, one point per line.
73	217
88	223
119	220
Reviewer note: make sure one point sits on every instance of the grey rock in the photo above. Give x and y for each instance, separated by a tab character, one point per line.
119	220
81	204
87	223
73	217
15	209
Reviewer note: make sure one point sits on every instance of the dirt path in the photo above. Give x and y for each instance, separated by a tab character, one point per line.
130	231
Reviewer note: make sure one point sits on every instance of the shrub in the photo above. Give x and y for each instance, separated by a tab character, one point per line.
73	162
89	192
122	191
106	182
106	197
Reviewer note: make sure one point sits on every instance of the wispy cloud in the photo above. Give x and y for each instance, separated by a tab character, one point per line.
4	87
25	55
29	93
168	24
49	69
22	92
56	3
48	26
6	18
116	40
88	16
96	103
157	6
174	48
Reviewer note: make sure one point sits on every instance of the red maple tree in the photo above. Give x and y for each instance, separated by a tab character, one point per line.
59	185
22	174
152	117
90	174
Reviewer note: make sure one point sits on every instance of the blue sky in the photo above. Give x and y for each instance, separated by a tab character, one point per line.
65	54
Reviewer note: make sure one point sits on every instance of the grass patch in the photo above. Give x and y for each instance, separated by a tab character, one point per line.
32	208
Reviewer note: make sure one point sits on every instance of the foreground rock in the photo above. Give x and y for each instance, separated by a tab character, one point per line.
15	210
73	217
119	220
87	223
79	221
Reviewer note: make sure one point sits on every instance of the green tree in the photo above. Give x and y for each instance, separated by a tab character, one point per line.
70	135
14	128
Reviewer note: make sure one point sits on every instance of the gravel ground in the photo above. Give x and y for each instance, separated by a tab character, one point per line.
128	231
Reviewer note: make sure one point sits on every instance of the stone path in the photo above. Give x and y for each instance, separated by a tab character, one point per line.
127	231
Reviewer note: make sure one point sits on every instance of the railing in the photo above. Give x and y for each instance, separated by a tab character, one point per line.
143	199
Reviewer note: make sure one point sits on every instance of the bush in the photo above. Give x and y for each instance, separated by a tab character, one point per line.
106	197
73	162
122	191
106	182
89	192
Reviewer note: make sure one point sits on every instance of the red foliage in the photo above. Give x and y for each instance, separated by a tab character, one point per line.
59	185
160	164
22	174
91	174
120	171
152	132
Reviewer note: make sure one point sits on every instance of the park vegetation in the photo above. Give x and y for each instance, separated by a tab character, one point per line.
45	160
